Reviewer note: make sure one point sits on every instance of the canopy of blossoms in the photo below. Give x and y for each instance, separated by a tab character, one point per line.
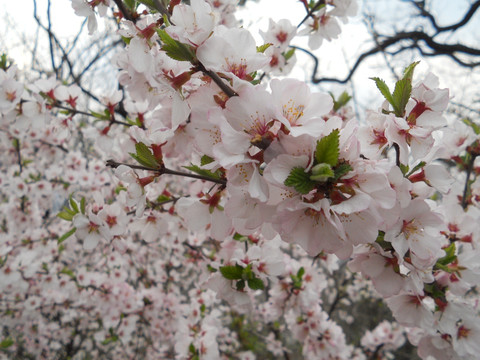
215	208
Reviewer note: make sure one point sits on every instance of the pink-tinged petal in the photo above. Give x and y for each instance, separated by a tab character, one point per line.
91	241
257	187
360	228
195	214
279	168
221	225
356	203
139	55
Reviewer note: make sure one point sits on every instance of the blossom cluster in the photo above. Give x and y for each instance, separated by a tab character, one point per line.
223	201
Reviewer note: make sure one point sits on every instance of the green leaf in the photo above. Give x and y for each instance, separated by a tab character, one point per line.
211	268
100	116
68	216
383	89
255	284
474	126
82	205
206	160
148	3
300	180
342	169
408	72
144	156
240	237
327	150
240	285
232	272
342	100
207	173
420	165
449	255
73	204
174	49
66	235
68	272
4	63
109	340
288	54
6	343
401	95
162	198
322	172
130	4
404	169
300	272
403	90
262	48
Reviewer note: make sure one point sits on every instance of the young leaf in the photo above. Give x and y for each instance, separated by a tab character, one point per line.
300	272
240	285
322	172
300	180
82	205
174	49
6	343
404	169
401	95
148	3
255	284
408	72
341	170
207	173
232	272
68	216
420	165
262	48
68	272
288	54
144	156
130	4
342	100
73	204
240	237
66	235
327	150
474	126
211	268
206	160
403	90
383	89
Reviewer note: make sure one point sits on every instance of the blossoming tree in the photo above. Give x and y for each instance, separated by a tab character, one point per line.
215	208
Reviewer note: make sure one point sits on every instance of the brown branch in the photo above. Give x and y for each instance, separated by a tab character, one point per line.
312	10
415	38
217	80
466	189
163	170
162	9
468	16
125	12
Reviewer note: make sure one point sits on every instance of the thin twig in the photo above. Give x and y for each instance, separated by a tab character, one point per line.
163	170
467	180
125	12
217	80
312	10
397	154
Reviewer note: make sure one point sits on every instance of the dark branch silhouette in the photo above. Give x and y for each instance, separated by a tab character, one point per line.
420	40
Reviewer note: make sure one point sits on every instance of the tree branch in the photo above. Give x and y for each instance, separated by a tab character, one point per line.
125	12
